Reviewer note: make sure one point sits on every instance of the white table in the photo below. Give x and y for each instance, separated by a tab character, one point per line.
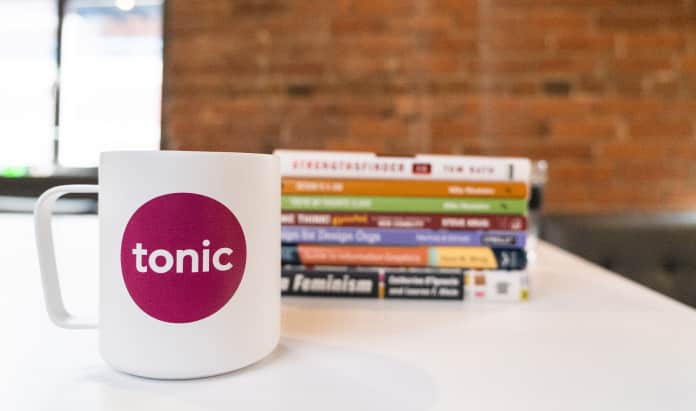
587	340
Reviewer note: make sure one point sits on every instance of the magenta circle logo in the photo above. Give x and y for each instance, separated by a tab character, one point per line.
182	257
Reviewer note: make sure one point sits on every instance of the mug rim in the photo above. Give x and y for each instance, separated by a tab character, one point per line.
111	153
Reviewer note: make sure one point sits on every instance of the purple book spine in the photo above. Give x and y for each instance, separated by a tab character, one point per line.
379	236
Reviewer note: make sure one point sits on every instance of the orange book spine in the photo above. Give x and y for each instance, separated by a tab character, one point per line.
404	188
373	256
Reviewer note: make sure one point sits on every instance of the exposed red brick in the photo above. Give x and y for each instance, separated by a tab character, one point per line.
545	4
588	129
576	152
407	145
454	43
605	90
369	127
584	42
572	172
356	144
652	171
555	20
645	151
502	66
422	23
677	196
510	41
312	129
568	198
350	24
531	19
455	128
503	85
382	7
688	64
681	151
659	129
456	6
505	127
623	197
346	106
629	106
654	42
449	144
430	64
630	65
376	44
651	17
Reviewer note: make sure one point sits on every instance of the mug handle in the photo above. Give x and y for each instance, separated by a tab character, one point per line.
43	212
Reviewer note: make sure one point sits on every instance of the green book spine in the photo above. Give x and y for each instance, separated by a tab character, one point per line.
405	204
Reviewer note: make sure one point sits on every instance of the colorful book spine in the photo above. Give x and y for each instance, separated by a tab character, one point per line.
474	168
397	236
404	188
409	283
405	204
340	283
372	282
452	257
425	167
496	285
419	286
407	221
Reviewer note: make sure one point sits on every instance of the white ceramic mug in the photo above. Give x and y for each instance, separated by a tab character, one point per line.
189	261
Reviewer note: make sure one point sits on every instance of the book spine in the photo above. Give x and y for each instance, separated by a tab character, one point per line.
422	285
453	167
336	165
405	204
496	285
404	188
410	221
397	236
359	166
425	284
340	283
448	257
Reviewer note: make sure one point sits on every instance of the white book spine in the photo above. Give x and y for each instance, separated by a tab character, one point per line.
364	165
480	168
496	285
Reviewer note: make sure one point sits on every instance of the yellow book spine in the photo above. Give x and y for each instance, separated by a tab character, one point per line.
480	257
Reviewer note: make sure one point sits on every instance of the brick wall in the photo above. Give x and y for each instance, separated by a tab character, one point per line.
603	89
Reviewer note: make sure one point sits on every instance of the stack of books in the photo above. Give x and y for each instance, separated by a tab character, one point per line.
423	227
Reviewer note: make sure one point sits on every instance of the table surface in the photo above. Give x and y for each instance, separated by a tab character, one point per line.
587	339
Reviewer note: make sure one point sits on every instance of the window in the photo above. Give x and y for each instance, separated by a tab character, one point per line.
27	81
110	78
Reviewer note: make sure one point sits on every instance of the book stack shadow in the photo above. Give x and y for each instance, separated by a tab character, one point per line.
424	227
